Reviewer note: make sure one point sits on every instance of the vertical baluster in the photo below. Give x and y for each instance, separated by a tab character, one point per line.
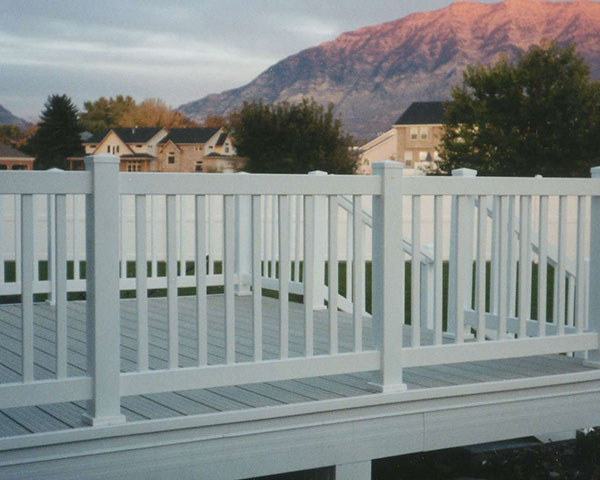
284	274
459	278
349	257
480	276
122	233
512	258
503	266
266	236
333	274
51	245
27	285
415	308
274	238
494	264
298	245
74	218
309	273
3	224
210	246
542	265
524	264
561	270
256	278
580	283
17	239
358	272
200	270
438	239
36	233
173	326
228	268
153	235
570	300
60	295
141	285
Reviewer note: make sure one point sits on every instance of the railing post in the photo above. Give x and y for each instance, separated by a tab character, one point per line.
243	243
466	267
388	276
102	273
320	247
594	266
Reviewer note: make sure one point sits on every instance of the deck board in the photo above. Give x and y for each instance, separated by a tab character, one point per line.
26	420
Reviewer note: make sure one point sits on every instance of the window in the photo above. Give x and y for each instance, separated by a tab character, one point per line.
436	155
226	149
171	157
138	146
424	133
414	133
199	167
108	148
423	156
408	159
198	148
19	167
92	146
3	167
134	166
117	148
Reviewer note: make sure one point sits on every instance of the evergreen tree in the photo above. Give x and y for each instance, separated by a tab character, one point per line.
57	136
538	115
291	138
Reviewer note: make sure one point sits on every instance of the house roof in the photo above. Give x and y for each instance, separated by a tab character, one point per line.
6	151
422	113
128	134
221	139
137	156
190	135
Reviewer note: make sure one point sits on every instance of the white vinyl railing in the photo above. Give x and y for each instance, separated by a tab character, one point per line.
283	233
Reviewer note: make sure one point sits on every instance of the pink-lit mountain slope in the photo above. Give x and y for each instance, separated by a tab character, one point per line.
374	73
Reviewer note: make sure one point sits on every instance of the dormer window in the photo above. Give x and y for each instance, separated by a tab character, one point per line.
138	146
171	157
108	148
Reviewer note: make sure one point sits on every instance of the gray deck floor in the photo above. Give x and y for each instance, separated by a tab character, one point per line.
44	418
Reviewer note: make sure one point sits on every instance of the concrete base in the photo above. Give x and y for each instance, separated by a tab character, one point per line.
103	421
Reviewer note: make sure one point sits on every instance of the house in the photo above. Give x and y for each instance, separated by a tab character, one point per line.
418	134
197	150
136	146
13	159
379	149
155	149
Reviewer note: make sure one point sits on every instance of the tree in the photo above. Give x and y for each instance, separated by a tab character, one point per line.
538	115
123	111
11	134
291	138
214	121
57	136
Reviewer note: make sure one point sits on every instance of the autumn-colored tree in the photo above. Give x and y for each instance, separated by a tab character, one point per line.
123	111
214	121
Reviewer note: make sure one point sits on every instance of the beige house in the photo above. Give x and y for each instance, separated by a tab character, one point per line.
155	149
13	159
379	149
418	134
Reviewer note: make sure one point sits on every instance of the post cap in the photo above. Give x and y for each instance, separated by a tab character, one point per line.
317	172
595	172
102	158
464	172
379	168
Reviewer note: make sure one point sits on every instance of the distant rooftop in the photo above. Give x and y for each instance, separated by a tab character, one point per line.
190	135
6	151
128	134
422	113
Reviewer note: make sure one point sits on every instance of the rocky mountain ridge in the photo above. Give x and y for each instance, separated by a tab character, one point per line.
372	74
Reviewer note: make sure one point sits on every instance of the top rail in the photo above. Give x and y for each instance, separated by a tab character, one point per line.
499	186
45	183
259	184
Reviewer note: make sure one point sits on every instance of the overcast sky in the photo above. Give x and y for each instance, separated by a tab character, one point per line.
177	50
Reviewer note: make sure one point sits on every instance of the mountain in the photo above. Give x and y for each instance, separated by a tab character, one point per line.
374	73
7	118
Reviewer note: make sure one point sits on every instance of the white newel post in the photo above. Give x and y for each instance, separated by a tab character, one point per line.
466	249
243	243
594	266
102	273
320	248
388	276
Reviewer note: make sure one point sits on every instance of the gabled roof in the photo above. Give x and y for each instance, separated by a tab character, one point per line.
221	139
128	134
7	151
190	135
422	113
